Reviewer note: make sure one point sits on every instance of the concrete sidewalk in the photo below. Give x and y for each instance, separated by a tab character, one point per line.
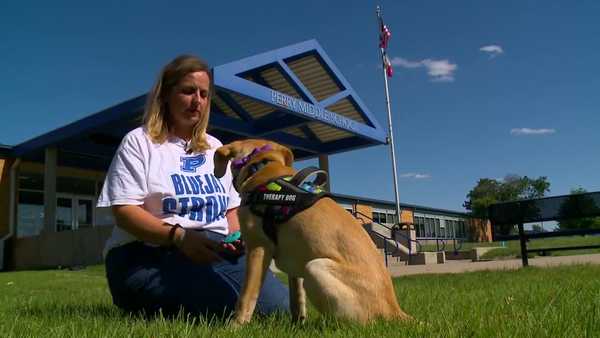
453	266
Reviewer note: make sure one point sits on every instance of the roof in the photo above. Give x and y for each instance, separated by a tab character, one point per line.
392	205
5	150
295	96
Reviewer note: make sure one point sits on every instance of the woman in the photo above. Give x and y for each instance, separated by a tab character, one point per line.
166	252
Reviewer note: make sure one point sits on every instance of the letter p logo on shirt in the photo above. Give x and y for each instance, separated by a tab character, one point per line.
189	164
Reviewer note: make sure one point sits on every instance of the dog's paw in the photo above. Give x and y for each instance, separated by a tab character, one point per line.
233	325
406	317
237	322
299	320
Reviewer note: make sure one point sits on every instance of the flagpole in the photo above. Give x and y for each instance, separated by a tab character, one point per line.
390	138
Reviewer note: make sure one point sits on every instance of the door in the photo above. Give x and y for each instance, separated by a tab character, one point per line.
74	212
85	207
64	213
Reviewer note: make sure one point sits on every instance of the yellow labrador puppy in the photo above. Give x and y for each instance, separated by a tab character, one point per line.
326	253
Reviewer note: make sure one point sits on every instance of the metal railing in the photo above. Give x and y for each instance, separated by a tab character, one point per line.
460	242
442	242
558	208
392	231
524	238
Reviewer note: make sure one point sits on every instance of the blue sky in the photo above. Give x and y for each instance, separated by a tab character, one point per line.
480	89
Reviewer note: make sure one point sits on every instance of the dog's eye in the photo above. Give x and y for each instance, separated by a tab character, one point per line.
254	167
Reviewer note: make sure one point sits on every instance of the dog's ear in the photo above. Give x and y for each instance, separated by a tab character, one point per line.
287	155
222	156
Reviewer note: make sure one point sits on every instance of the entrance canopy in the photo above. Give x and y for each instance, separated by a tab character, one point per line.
295	96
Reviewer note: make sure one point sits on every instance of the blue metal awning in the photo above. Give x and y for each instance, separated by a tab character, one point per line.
295	96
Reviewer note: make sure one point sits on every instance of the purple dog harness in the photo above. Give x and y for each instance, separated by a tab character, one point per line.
239	163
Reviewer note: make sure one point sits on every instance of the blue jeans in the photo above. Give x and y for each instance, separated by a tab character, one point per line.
147	279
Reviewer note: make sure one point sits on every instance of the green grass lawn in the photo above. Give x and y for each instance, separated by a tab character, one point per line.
532	302
512	249
464	246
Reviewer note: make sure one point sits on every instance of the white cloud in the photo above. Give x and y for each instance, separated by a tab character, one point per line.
438	70
398	61
530	131
415	176
492	50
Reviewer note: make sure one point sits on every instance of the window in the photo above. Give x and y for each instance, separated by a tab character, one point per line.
84	213
429	231
455	228
74	212
452	229
64	214
104	216
375	217
462	233
420	226
30	209
77	186
31	181
74	204
30	213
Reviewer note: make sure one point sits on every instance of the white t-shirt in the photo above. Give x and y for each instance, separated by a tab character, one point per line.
169	183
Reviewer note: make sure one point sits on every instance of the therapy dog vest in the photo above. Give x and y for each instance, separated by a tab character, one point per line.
283	197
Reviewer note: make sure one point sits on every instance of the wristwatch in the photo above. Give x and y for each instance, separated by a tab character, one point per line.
176	241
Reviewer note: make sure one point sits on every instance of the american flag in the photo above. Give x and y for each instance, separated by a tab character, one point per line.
384	36
389	70
384	39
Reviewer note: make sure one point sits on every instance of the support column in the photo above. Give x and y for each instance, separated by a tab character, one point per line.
50	162
324	165
523	241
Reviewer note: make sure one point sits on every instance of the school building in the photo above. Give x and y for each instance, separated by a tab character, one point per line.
295	96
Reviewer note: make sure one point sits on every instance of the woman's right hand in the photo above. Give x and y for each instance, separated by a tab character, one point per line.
146	227
197	247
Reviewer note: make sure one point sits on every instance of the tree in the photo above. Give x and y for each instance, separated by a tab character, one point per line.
576	203
513	187
485	193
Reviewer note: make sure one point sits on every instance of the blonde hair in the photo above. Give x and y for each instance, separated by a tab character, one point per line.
156	113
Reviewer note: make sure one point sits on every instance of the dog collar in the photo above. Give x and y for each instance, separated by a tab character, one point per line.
239	163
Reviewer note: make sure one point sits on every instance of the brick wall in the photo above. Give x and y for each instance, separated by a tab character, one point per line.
4	195
480	230
364	210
